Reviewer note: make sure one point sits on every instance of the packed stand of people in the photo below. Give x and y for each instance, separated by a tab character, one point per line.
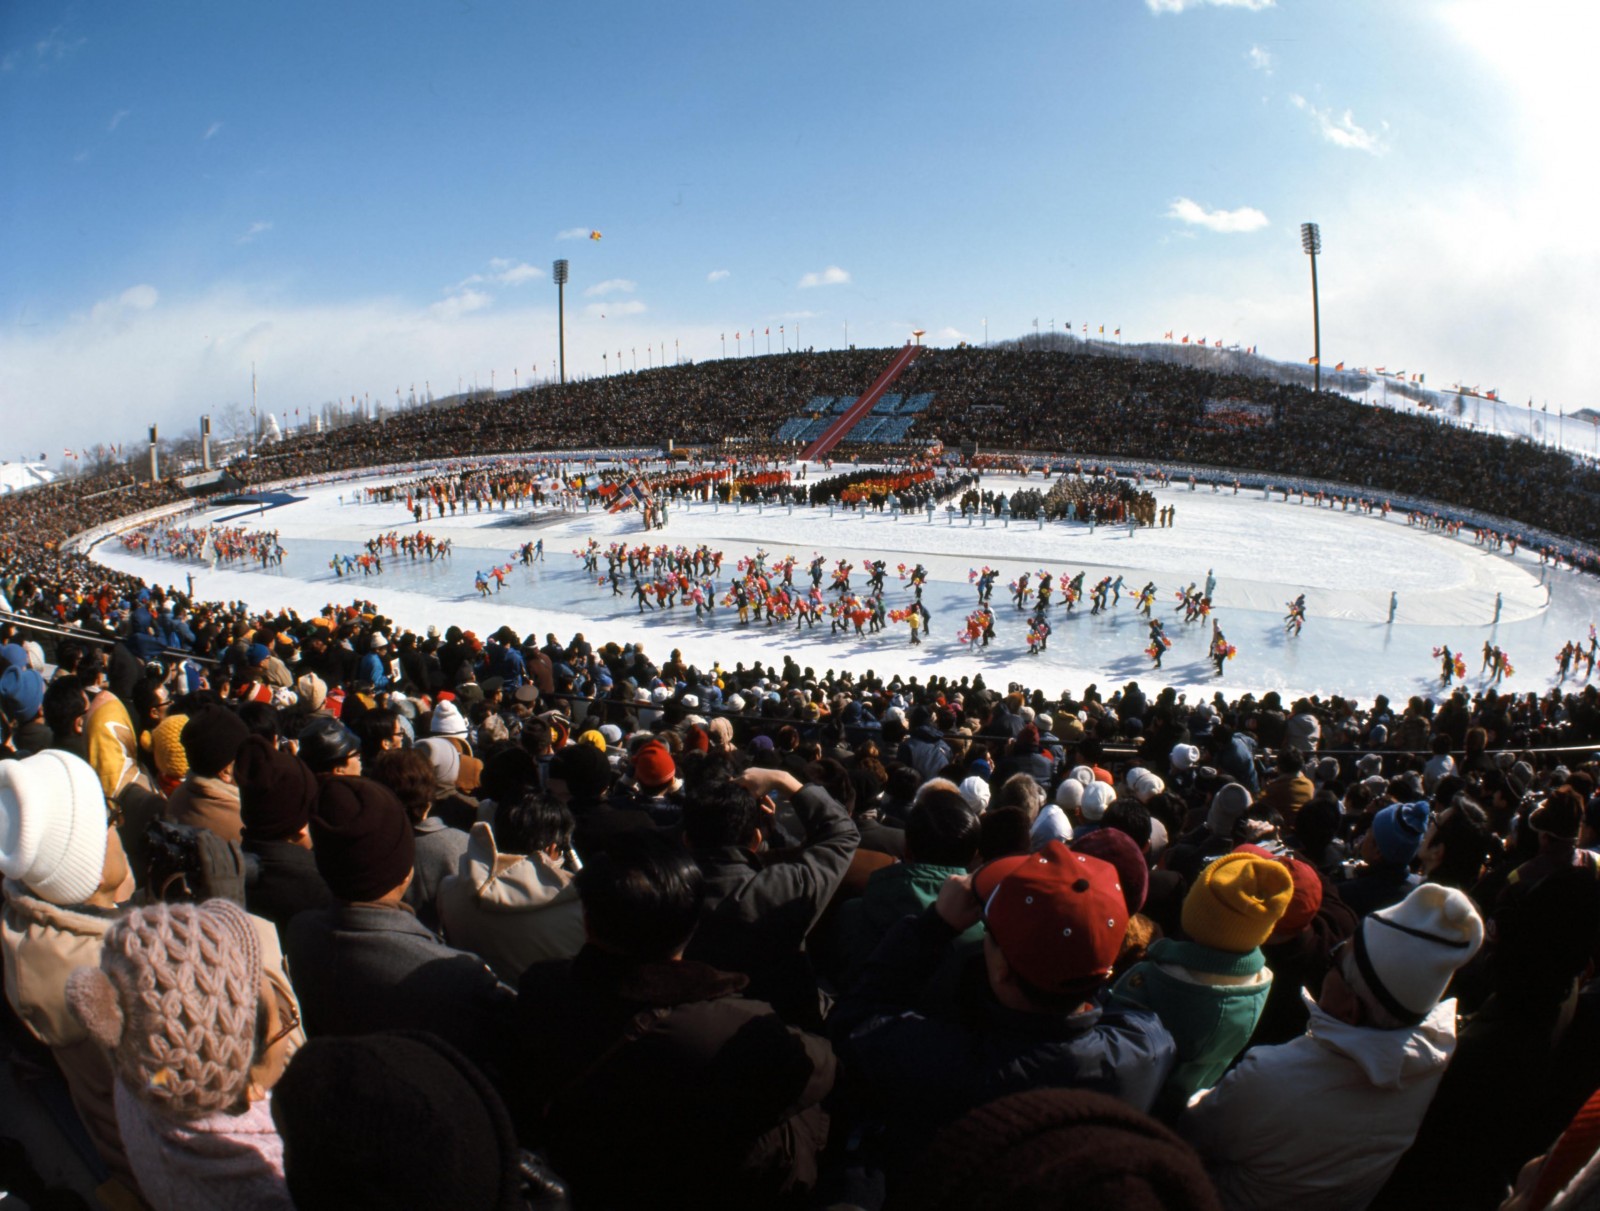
357	916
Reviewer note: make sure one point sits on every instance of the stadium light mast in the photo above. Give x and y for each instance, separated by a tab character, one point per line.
1311	242
559	273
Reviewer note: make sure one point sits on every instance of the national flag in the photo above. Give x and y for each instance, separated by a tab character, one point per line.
1494	393
1339	366
1202	340
1381	370
1102	329
1251	350
1086	330
1399	373
1168	337
1219	344
65	453
1118	332
1185	338
768	332
1313	361
780	329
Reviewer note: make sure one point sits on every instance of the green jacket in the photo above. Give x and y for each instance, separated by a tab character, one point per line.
901	890
1211	1023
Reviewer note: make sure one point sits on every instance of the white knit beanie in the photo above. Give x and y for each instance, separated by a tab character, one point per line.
1070	793
447	721
1184	756
1144	785
1407	953
976	792
53	826
1083	774
1097	797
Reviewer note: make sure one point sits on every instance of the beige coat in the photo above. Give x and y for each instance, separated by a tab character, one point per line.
43	944
511	911
207	803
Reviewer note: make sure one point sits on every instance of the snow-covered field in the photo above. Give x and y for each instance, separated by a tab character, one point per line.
1262	553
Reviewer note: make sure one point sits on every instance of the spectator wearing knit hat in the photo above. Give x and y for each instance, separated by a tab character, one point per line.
1389	848
65	875
22	702
209	796
1055	922
1320	1122
1231	803
366	963
1209	989
197	1039
655	787
276	794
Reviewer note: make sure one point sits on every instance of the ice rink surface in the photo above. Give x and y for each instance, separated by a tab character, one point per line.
1262	553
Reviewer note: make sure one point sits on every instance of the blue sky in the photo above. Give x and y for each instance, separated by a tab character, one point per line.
360	197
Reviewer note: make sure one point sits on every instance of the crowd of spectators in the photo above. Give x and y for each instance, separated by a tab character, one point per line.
597	927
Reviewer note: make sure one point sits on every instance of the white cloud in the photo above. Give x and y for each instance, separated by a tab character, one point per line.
831	276
259	227
464	302
952	334
574	233
134	299
211	131
509	274
718	275
1178	6
1341	129
1246	218
610	286
607	311
116	119
1260	58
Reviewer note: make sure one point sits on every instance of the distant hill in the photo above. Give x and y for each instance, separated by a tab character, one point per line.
18	477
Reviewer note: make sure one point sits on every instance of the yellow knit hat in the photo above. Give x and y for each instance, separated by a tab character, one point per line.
167	748
1236	901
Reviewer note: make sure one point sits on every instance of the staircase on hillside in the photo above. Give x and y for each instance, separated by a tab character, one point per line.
834	433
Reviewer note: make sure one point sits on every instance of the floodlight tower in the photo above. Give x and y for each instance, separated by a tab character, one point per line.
560	275
1311	242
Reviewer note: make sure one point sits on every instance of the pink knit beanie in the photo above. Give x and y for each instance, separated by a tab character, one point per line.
174	1000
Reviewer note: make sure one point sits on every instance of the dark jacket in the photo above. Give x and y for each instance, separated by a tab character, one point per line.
901	890
758	910
280	881
361	968
926	1070
439	850
924	751
1041	767
646	1082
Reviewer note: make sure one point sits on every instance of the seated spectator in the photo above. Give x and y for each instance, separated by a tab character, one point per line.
329	748
366	964
1300	948
22	702
647	1072
758	913
412	777
1389	848
276	795
512	900
1209	989
1055	922
1320	1122
362	1120
197	1039
65	878
941	837
1058	1148
209	796
1230	803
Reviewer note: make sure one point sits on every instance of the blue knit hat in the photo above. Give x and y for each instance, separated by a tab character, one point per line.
1398	829
21	693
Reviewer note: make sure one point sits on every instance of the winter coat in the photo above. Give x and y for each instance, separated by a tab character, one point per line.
510	910
44	943
365	968
901	890
439	849
1209	1021
1302	961
1381	887
660	1083
209	803
282	880
374	670
928	1070
1319	1123
111	746
230	1162
758	912
925	751
1041	767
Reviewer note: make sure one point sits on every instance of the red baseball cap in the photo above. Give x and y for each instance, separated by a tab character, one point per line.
1059	917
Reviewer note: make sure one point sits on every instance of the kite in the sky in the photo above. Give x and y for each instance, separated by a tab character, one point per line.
594	235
